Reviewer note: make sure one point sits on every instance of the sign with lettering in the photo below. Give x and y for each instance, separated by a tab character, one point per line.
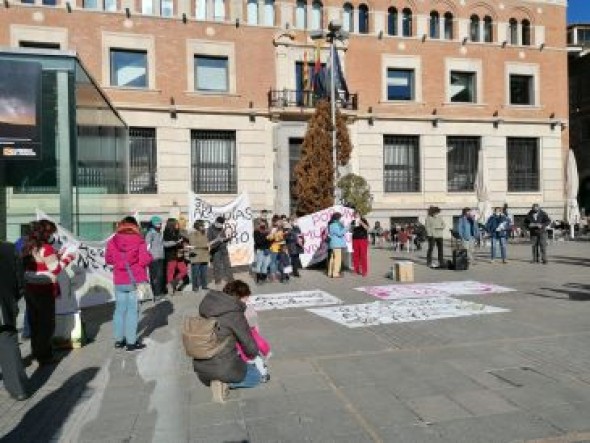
314	230
238	224
88	280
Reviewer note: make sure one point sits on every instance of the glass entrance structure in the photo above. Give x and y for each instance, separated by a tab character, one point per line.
63	146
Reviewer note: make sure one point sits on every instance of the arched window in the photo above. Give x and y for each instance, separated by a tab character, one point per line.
526	32
392	21
488	29
363	19
407	22
219	10
317	10
448	26
474	28
513	31
252	12
434	25
301	14
348	17
201	9
269	12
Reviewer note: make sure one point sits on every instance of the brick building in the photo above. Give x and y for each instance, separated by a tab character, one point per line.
212	93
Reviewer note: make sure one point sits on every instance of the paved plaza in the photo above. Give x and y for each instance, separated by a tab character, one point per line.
516	376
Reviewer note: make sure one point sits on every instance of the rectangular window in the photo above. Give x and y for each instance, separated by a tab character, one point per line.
523	164
522	90
211	73
462	153
110	5
129	68
400	84
167	8
463	87
147	7
90	4
213	162
49	2
401	163
143	161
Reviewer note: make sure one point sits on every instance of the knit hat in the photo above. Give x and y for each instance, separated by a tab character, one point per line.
155	220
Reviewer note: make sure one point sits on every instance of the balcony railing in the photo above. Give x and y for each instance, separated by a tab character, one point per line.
289	98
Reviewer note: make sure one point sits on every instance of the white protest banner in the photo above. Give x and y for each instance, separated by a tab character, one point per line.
88	280
316	250
442	289
238	221
403	311
296	299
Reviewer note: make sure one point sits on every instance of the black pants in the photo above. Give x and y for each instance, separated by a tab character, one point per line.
11	364
157	279
296	263
439	246
221	266
539	244
41	307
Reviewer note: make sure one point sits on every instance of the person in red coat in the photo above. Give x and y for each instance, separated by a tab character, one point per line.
128	254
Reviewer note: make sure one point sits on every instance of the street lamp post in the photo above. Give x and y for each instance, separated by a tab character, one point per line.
334	33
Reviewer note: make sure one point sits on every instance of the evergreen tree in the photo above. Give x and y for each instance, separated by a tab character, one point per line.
314	173
356	193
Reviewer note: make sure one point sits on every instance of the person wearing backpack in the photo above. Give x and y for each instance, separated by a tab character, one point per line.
127	252
226	369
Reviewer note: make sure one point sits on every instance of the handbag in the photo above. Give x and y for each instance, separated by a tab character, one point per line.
142	289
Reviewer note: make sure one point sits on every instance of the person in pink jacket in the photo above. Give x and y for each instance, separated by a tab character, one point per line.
127	252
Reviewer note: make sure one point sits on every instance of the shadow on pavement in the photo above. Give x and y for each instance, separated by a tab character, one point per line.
44	420
573	291
579	261
155	317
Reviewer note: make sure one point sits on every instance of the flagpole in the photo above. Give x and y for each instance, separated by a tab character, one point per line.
333	109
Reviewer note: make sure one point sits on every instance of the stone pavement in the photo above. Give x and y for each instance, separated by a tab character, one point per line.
518	376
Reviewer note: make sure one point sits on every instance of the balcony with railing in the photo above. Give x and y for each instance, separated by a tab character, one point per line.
291	98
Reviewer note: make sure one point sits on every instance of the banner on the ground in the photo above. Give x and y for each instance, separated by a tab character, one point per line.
296	299
88	280
238	224
313	228
403	311
442	289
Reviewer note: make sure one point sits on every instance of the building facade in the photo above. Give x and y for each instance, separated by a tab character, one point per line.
214	94
578	40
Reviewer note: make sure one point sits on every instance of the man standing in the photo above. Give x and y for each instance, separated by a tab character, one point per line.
498	226
468	231
537	222
11	290
218	240
155	244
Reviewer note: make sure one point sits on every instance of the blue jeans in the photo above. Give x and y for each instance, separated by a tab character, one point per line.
251	380
126	313
502	242
199	275
274	263
263	259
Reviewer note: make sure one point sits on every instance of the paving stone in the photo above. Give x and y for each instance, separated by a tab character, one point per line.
277	429
304	383
571	417
219	433
437	408
483	402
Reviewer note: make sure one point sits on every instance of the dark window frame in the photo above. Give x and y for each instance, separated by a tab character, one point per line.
144	162
523	176
515	95
363	19
473	75
412	78
113	76
225	58
203	145
462	158
401	177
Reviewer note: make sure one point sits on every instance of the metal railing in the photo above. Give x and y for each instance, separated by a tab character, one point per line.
523	181
289	98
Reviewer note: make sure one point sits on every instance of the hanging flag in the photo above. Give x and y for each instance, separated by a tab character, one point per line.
339	80
320	88
305	72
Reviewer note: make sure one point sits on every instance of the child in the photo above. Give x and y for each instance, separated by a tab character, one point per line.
284	262
263	346
403	238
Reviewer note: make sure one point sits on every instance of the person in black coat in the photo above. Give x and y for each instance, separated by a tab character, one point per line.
537	221
12	289
227	369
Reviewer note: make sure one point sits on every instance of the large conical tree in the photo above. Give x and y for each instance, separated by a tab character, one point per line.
314	173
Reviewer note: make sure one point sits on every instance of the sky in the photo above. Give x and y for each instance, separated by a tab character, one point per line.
578	11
